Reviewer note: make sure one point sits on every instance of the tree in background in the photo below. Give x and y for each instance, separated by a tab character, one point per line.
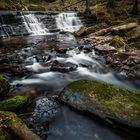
87	12
135	9
87	5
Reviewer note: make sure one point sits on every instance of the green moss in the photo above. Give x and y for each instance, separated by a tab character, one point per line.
121	101
14	121
93	29
87	30
13	103
81	31
34	7
117	41
135	44
4	86
3	136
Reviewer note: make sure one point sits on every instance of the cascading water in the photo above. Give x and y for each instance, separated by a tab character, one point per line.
22	24
33	26
68	22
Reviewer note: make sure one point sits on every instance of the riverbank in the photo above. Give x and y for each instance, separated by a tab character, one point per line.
119	45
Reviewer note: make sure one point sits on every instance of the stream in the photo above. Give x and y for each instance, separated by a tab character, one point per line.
48	56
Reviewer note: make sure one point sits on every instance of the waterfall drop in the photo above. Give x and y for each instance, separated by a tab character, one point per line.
33	26
68	22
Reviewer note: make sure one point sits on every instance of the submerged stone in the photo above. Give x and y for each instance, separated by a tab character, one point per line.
13	103
104	100
45	111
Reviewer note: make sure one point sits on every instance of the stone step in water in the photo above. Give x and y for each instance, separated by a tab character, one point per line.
17	23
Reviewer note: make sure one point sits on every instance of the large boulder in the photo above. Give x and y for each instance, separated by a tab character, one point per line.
4	86
13	103
110	103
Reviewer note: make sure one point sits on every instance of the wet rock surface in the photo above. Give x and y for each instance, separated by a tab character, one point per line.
125	62
66	67
124	59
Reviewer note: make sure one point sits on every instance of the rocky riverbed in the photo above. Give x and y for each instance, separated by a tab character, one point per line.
123	55
37	78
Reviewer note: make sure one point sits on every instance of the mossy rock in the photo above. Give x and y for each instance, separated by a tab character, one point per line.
3	136
4	86
93	29
33	7
104	100
87	30
81	31
13	103
117	41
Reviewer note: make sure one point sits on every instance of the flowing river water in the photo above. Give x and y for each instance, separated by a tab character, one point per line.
54	59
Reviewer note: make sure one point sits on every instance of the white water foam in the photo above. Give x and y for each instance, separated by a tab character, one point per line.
68	22
36	67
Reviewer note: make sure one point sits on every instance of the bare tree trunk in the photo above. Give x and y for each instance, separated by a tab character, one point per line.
135	9
87	4
111	3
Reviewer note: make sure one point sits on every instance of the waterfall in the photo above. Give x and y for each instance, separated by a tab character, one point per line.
33	26
27	23
68	22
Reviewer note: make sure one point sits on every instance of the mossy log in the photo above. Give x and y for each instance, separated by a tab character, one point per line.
19	128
